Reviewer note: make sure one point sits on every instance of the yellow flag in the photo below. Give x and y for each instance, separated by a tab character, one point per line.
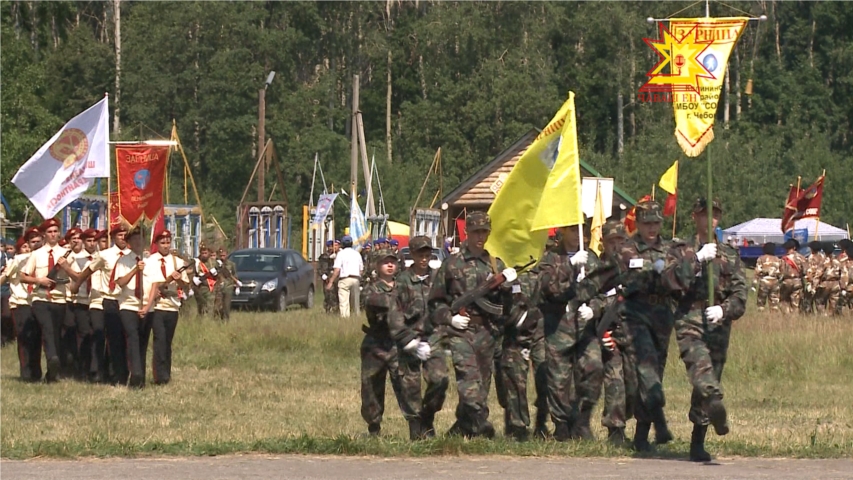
669	180
542	191
700	50
598	219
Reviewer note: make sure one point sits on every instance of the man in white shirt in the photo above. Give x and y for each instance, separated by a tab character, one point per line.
26	327
128	277
85	252
347	271
48	270
163	277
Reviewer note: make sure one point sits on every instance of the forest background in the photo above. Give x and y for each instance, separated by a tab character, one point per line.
469	77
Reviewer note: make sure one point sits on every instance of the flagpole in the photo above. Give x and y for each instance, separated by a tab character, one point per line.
653	192
709	208
817	219
674	216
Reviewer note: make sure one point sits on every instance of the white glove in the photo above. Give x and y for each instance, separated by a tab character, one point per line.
219	263
585	312
809	288
325	277
196	281
707	252
844	293
525	354
510	275
752	288
714	314
237	291
213	271
521	320
607	341
460	322
433	264
424	351
412	346
579	258
239	283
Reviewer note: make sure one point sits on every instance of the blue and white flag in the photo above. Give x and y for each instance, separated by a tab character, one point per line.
357	225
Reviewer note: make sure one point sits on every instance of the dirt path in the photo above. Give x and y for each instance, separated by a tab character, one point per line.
311	467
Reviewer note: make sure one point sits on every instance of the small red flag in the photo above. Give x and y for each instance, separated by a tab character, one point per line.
802	204
630	220
669	205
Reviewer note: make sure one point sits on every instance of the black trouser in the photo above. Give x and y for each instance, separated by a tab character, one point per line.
131	325
29	343
67	345
82	340
97	367
116	343
7	323
162	324
50	317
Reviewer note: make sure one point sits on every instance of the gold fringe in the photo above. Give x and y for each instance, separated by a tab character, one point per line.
695	150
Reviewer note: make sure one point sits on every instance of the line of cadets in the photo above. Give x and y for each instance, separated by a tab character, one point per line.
549	318
92	307
819	283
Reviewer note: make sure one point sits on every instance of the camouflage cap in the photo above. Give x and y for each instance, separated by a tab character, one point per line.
420	243
478	220
701	205
382	253
613	228
649	211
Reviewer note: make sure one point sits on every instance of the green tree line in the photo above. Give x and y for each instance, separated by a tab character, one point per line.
469	77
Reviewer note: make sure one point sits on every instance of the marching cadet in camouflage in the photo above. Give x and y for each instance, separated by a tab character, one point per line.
521	345
768	278
575	369
793	272
847	293
413	334
326	264
379	356
648	315
204	280
814	271
470	332
620	376
701	330
833	280
224	289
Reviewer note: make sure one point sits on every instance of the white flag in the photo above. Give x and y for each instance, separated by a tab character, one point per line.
63	168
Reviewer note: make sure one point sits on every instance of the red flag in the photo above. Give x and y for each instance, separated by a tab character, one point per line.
669	205
159	226
806	204
460	229
630	220
114	211
141	174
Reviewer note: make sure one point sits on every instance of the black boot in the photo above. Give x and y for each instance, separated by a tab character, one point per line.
455	430
416	429
717	415
616	436
581	430
374	429
697	444
541	430
486	430
662	433
562	432
427	420
641	437
518	434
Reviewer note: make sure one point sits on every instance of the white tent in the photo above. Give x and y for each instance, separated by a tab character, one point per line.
763	230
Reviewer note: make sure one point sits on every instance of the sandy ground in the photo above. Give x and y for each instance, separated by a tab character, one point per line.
311	467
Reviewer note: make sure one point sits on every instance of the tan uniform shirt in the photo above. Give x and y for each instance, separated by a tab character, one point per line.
127	296
104	266
37	266
79	263
20	294
154	274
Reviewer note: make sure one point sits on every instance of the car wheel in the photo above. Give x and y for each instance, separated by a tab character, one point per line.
309	299
282	301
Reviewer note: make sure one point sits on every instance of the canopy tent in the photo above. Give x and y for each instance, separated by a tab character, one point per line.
400	232
763	230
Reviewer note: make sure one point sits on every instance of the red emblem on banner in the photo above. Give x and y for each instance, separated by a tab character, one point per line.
141	173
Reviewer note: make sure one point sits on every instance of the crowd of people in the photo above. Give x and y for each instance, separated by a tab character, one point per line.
585	323
91	301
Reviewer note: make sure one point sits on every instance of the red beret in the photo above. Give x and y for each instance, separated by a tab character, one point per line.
50	222
117	229
62	242
163	234
32	232
91	233
72	232
20	243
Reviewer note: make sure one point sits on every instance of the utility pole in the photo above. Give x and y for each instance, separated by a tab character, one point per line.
354	140
262	114
117	104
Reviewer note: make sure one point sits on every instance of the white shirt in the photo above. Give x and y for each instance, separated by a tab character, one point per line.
37	266
20	291
154	274
79	262
127	299
105	264
349	262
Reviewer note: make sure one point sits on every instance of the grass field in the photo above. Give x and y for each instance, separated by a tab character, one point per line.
288	383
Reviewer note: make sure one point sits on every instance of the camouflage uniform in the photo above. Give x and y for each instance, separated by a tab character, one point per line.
768	279
407	324
793	270
833	279
203	293
378	353
814	272
325	264
224	289
648	315
472	349
847	296
521	345
704	344
575	369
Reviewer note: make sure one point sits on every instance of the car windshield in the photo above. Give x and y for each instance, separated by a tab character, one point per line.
258	262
